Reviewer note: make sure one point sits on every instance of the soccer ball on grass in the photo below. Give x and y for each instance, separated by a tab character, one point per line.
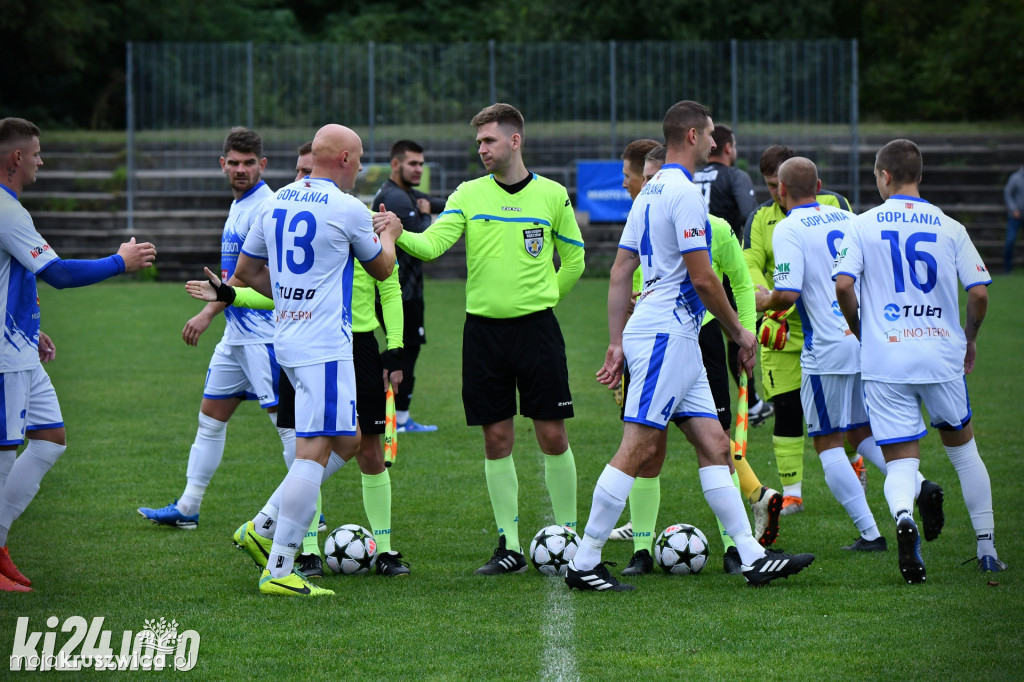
552	549
350	550
681	549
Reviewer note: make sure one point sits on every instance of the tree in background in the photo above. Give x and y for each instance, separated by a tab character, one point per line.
919	59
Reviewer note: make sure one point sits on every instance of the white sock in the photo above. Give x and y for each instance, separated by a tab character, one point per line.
870	451
846	488
401	416
724	499
23	481
610	495
977	490
900	477
298	505
7	458
203	460
265	521
333	464
793	490
287	440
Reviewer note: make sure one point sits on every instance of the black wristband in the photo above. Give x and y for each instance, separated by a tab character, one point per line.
392	359
225	292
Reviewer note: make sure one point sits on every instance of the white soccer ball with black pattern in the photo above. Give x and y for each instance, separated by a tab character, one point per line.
681	549
552	549
350	550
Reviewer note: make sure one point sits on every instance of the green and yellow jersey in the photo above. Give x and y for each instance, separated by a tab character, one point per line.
511	240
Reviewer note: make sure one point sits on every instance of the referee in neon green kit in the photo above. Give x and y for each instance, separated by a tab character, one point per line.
514	222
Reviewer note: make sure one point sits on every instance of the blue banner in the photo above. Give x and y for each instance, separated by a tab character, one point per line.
599	191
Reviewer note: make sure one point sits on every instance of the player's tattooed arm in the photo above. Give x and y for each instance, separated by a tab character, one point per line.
977	307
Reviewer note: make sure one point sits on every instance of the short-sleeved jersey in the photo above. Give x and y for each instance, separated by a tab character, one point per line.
760	256
511	239
23	254
667	219
907	256
309	233
243	325
806	243
728	192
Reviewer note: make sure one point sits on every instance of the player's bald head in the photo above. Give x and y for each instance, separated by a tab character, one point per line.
333	139
800	176
336	152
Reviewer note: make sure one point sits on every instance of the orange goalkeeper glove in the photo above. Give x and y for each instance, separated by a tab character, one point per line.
774	329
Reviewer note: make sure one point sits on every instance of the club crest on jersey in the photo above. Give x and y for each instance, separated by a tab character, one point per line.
533	240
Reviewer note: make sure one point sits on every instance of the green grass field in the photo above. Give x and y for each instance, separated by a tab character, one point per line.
130	392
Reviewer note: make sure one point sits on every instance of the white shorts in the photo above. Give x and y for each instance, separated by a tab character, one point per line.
249	372
325	399
667	380
30	404
895	409
832	402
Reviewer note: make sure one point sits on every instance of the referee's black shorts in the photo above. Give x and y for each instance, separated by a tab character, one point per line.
371	399
370	393
501	355
712	347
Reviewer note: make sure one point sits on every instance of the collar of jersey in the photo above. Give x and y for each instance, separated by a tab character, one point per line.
905	197
253	189
810	205
10	191
688	174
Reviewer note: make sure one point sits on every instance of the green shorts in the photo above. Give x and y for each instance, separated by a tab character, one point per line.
780	371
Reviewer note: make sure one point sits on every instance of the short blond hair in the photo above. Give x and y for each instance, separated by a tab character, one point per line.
505	115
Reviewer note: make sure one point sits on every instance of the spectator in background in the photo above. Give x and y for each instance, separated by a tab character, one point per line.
1013	194
414	209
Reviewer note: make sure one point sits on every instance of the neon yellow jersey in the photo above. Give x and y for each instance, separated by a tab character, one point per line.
511	240
760	256
727	259
364	309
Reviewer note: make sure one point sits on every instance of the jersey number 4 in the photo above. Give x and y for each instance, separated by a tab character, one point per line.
303	227
914	257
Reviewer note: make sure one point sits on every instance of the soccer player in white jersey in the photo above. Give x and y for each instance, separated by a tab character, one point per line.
805	243
301	255
29	402
907	256
667	234
243	366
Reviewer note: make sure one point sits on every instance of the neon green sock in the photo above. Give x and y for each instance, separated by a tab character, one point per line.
644	500
789	457
503	487
560	477
726	538
377	504
310	543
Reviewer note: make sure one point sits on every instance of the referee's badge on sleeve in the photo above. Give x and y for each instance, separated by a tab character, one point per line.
534	241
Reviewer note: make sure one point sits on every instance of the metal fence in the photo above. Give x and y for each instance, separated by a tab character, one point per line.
580	100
